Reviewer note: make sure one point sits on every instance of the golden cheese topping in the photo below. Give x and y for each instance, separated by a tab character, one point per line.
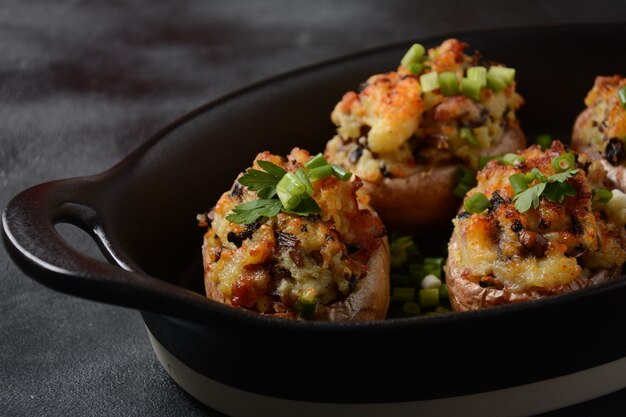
546	247
271	265
603	126
391	124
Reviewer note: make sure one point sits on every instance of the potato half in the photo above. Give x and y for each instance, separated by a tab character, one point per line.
406	136
508	253
331	264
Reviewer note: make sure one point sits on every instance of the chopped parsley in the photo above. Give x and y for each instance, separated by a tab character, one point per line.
279	190
553	188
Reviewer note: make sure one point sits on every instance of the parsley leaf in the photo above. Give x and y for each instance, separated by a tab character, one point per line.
529	197
556	191
553	188
247	213
263	182
562	176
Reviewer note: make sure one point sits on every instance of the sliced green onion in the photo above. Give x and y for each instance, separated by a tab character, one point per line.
304	179
289	190
411	308
403	294
495	82
305	307
317	161
429	81
602	195
291	202
470	88
466	180
416	68
467	134
340	172
538	175
530	177
506	74
478	74
564	162
428	298
415	54
512	159
291	184
476	203
518	183
448	83
621	93
545	140
443	292
482	161
320	172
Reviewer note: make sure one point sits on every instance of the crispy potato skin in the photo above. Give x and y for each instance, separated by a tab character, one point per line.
370	298
425	199
337	259
467	295
503	256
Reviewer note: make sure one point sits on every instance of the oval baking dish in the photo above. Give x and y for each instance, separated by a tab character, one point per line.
508	361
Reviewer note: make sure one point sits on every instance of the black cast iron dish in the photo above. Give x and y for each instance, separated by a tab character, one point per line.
511	360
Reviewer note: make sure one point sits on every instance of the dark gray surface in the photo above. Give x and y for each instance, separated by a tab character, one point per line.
85	82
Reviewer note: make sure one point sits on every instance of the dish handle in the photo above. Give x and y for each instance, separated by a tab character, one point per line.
40	251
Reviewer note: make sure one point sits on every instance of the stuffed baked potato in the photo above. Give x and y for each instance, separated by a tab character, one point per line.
407	132
294	239
541	224
600	130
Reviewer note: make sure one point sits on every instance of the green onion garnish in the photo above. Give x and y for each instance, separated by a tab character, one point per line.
340	172
564	162
530	176
448	83
478	74
429	81
467	134
495	82
305	307
544	140
317	161
321	172
470	88
466	180
416	68
443	291
429	298
512	159
602	195
411	308
621	93
518	182
415	54
304	179
482	161
476	203
506	74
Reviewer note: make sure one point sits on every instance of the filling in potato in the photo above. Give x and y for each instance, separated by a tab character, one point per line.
538	222
438	106
603	124
290	261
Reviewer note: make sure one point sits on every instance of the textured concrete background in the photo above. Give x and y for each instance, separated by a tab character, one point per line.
82	83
